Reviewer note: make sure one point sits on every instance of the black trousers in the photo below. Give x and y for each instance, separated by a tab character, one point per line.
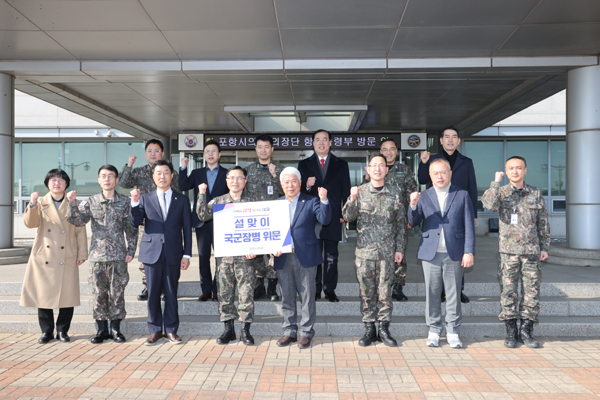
63	322
327	281
162	276
204	238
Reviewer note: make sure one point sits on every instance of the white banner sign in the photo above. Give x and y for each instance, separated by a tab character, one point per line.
261	227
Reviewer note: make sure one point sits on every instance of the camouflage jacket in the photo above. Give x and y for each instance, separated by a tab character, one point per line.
205	213
259	179
531	234
141	177
110	220
403	179
381	222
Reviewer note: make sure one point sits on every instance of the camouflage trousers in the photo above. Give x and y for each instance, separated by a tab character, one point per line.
515	267
235	272
141	267
108	281
400	273
263	269
375	282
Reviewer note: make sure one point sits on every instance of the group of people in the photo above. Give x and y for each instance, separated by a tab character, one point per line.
320	197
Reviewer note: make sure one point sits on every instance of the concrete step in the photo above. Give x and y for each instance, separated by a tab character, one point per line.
192	289
14	260
15	255
348	306
335	326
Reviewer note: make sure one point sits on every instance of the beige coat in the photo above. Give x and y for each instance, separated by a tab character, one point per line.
52	276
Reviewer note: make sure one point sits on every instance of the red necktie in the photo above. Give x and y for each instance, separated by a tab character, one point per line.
322	163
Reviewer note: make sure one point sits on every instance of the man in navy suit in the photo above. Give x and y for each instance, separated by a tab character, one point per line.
447	247
463	174
214	176
324	170
166	215
297	270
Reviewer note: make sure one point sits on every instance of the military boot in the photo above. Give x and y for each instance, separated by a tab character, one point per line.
245	336
101	332
272	290
512	332
398	295
115	331
526	334
384	334
370	335
228	334
259	290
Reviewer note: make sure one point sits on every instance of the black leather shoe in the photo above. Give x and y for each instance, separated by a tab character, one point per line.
317	296
45	338
204	297
63	337
144	295
331	296
464	298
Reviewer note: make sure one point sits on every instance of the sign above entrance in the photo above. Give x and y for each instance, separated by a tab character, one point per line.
413	141
349	141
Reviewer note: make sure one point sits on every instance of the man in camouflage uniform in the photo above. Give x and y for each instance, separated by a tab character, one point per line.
232	271
402	178
141	178
262	185
109	254
524	242
380	244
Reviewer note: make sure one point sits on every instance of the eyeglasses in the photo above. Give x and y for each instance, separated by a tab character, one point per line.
378	166
109	176
390	150
211	151
235	178
58	180
153	151
438	173
321	140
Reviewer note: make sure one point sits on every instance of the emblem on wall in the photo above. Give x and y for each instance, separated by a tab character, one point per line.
413	141
191	141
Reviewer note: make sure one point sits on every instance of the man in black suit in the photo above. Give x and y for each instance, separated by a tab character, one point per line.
214	176
166	215
323	169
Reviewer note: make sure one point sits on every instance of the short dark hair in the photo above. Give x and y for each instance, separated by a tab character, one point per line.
378	155
237	168
451	127
162	162
155	141
264	138
384	139
57	173
517	158
323	130
213	142
110	168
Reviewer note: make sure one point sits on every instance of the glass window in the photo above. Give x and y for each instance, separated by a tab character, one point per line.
558	174
82	161
536	154
38	159
17	160
488	158
117	154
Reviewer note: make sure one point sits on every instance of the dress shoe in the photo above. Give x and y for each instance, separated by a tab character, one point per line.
153	339
174	338
63	337
214	297
331	296
285	341
45	338
204	297
464	298
304	342
317	296
144	295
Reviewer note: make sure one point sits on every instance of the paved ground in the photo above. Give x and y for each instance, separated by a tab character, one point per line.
334	368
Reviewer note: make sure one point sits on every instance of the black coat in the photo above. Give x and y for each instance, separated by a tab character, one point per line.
337	183
197	177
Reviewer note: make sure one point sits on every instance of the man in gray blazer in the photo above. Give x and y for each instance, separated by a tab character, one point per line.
447	247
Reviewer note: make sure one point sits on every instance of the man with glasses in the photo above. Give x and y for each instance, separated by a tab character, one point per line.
109	254
400	177
232	271
213	175
141	178
380	244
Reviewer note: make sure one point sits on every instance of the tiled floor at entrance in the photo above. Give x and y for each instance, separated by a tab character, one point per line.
333	368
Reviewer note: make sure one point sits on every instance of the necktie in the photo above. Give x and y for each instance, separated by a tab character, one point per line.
164	206
322	163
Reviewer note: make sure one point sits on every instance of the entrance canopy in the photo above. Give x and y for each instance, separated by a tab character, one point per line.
153	68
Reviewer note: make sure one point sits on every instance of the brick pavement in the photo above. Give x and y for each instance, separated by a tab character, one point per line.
333	368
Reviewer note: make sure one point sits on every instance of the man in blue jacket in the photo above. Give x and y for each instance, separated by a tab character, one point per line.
447	247
463	174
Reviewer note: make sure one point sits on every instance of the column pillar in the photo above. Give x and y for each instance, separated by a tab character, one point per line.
7	133
583	153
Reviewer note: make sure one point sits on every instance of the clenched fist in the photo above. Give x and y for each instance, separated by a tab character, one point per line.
414	198
131	161
135	195
322	193
202	188
354	193
71	196
499	176
34	198
425	156
184	162
273	170
310	182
